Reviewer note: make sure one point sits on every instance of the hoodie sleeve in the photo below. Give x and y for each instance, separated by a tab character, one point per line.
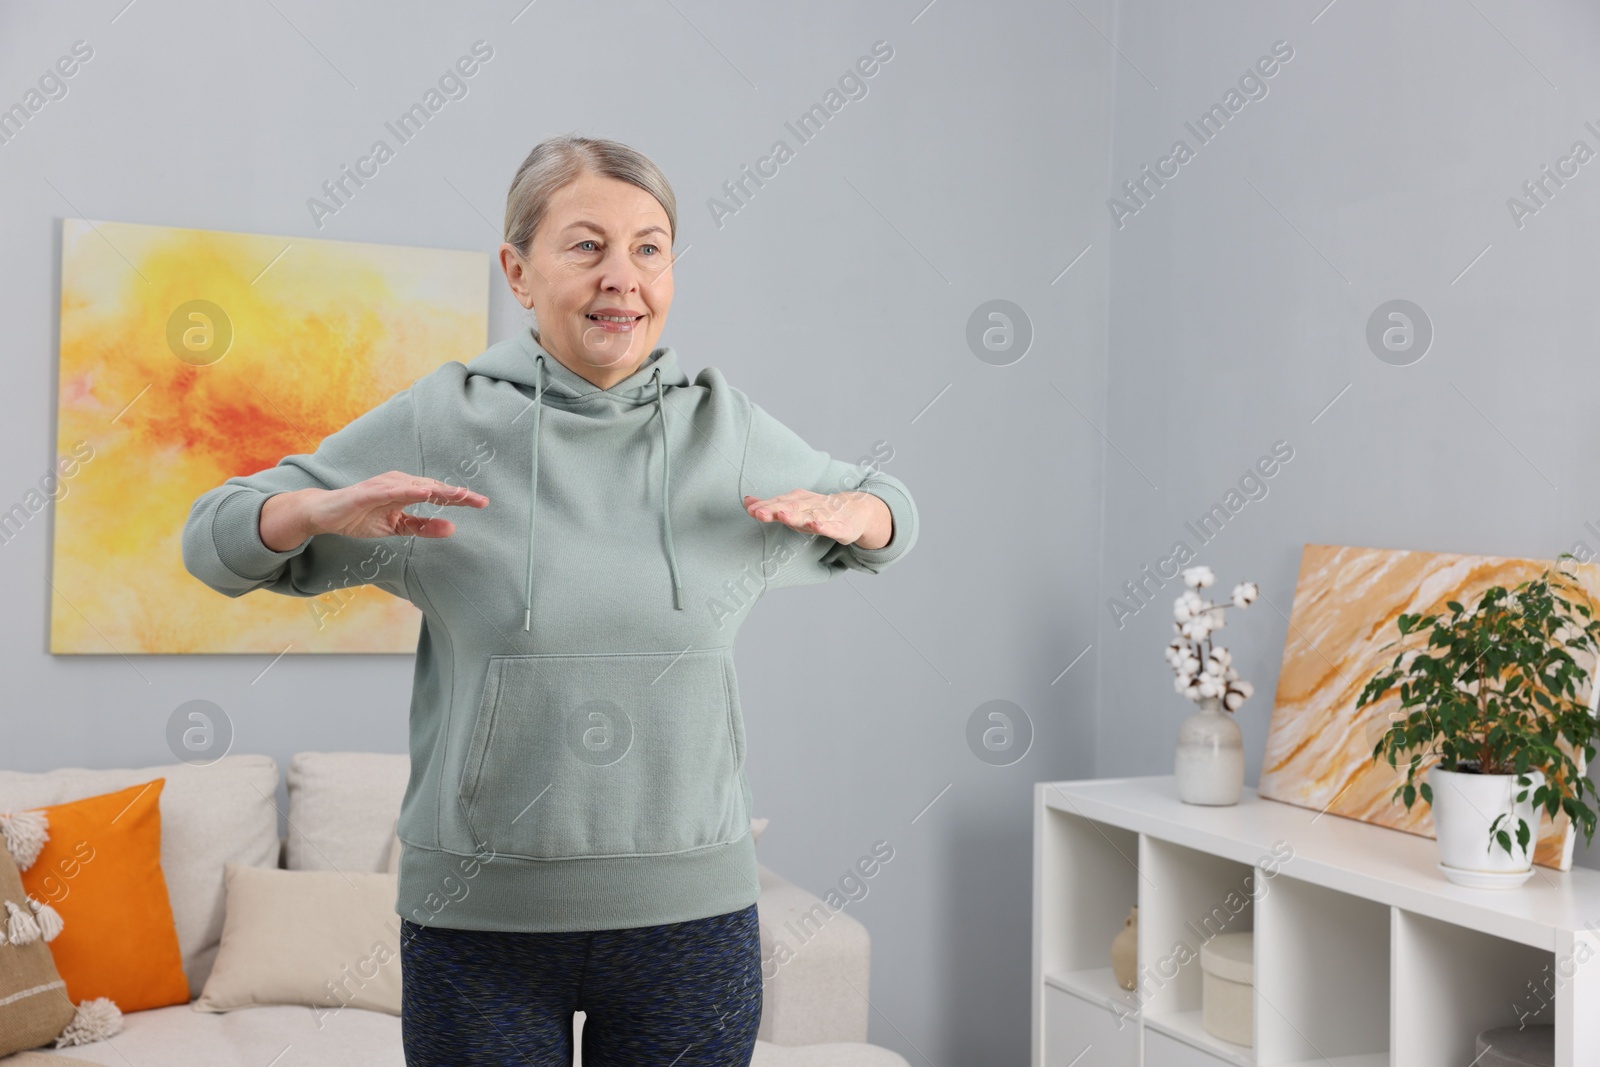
777	461
222	538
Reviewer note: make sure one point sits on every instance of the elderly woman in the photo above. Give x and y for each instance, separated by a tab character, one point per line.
576	829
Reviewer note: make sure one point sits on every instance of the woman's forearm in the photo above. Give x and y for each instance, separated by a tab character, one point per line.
879	522
284	522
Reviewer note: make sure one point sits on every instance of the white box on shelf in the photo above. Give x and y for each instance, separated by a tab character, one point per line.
1227	993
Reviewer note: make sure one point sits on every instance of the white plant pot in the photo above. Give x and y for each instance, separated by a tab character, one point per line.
1464	807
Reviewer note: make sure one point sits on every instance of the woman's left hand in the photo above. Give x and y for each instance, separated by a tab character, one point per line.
852	518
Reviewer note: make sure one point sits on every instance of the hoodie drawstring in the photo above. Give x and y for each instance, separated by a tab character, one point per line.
666	507
533	496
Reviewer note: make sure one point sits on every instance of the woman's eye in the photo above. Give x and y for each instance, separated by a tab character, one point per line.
653	248
582	243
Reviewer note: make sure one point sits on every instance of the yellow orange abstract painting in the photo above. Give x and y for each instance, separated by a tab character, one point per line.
1346	603
191	356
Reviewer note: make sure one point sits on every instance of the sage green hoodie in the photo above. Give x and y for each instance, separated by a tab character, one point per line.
577	744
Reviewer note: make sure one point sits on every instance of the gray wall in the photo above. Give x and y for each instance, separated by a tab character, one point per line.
1377	167
838	298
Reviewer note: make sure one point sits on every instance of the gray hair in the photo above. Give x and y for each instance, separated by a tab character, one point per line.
558	161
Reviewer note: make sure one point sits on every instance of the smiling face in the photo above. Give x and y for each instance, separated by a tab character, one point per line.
602	253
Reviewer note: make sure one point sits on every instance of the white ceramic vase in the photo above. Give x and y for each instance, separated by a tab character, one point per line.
1210	759
1464	807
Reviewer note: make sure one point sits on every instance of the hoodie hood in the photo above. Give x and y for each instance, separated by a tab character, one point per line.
516	361
526	364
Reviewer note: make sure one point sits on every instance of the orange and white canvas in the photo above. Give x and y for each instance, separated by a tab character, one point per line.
1346	604
190	356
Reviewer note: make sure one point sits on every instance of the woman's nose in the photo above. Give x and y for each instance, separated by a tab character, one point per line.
619	273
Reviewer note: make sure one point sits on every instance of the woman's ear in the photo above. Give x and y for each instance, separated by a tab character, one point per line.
518	272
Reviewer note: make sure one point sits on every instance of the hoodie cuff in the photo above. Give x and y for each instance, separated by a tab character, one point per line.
904	527
236	532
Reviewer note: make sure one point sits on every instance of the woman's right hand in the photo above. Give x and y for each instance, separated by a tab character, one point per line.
373	508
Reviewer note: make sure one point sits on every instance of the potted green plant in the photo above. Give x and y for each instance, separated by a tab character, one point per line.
1496	700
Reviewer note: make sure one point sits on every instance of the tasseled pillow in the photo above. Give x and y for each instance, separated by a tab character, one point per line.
34	1006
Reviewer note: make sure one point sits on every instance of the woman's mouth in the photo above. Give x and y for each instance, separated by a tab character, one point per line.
615	323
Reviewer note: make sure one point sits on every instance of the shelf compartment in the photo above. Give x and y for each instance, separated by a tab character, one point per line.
1186	898
1086	1034
1452	981
1161	1050
1322	974
1087	882
1187	1028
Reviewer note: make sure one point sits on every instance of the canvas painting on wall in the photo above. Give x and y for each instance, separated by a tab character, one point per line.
1346	603
190	356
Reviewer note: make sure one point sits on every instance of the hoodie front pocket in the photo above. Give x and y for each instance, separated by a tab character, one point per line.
605	755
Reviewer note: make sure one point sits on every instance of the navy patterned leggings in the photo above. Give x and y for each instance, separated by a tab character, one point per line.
685	994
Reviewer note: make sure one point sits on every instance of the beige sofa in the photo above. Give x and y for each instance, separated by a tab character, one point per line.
342	811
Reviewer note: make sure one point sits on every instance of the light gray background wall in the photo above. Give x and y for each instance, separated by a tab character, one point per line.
974	169
1377	167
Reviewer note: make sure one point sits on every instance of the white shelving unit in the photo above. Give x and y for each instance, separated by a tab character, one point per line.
1365	956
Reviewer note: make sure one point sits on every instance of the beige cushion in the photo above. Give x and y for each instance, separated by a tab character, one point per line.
325	939
817	966
225	812
342	809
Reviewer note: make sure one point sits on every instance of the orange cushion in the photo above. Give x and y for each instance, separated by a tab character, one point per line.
101	870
